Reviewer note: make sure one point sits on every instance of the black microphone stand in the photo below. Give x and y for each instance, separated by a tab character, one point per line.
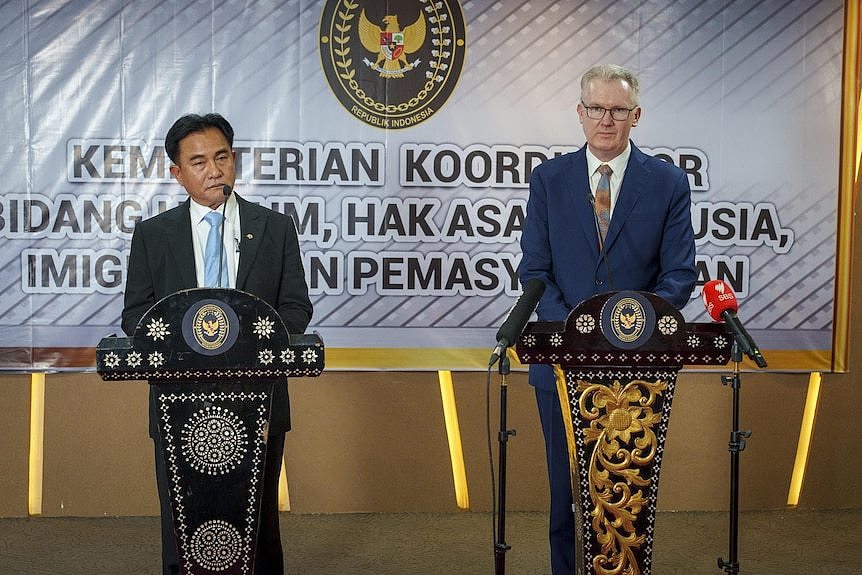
500	546
735	446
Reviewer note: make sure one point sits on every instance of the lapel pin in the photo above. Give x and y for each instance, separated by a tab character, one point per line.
249	236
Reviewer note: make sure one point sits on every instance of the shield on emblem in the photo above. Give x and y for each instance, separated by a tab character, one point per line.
392	44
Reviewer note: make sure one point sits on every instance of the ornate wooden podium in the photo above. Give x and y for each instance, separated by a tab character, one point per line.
213	358
618	355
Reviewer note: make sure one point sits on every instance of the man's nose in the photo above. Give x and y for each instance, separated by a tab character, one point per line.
214	170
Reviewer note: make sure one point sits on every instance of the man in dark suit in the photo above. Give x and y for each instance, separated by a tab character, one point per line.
648	245
263	258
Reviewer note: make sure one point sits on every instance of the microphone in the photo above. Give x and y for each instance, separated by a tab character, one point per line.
602	251
226	190
721	304
518	317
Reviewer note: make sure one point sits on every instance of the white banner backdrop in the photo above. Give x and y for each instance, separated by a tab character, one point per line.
402	142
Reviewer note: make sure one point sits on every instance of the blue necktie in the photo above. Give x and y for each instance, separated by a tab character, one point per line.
211	253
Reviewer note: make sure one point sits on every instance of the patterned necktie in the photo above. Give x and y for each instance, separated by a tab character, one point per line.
211	253
603	200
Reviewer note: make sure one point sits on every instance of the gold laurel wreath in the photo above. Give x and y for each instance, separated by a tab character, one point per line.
348	72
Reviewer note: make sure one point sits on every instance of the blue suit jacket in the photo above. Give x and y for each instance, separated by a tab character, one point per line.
649	246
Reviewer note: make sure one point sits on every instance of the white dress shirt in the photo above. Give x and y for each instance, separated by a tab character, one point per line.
232	234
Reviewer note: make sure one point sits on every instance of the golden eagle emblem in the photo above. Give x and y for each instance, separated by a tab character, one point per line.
391	44
628	320
210	327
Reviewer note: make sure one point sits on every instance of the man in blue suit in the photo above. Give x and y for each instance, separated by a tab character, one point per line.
648	245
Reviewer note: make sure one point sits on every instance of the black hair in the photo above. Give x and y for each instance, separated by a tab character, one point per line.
192	123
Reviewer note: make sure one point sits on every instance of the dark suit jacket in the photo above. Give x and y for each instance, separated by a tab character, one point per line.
162	261
649	246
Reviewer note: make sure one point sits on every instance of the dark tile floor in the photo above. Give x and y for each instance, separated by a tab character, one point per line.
788	542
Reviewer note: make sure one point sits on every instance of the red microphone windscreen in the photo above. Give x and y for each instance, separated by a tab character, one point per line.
718	297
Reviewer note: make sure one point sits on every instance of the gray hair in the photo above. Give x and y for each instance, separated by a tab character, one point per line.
610	73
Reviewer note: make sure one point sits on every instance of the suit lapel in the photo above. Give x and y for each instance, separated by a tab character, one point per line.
178	237
252	224
635	181
579	198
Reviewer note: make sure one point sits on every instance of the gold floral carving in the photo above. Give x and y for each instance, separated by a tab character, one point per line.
619	419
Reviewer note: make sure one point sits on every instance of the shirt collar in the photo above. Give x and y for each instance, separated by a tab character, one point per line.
197	211
617	164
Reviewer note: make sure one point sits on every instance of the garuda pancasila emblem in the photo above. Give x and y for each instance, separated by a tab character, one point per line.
391	44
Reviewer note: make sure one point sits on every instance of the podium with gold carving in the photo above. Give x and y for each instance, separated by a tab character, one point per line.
215	359
617	357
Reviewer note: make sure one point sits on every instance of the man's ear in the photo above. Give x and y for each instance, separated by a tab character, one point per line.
177	174
637	116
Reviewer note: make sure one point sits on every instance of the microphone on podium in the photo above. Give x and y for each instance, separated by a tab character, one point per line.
518	317
226	190
721	305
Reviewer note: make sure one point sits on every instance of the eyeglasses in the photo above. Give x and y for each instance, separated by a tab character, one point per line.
597	112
